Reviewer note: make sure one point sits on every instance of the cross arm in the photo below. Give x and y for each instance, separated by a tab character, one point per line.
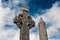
15	20
18	20
31	24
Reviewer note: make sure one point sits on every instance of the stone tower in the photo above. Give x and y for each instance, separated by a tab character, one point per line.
24	23
42	30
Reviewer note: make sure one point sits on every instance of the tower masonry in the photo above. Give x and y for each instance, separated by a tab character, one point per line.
42	30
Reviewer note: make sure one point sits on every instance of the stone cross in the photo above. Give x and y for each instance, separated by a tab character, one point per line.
24	23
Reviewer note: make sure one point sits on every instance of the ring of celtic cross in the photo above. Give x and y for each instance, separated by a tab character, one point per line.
20	20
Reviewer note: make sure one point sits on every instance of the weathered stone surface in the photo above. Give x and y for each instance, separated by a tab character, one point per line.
24	23
42	30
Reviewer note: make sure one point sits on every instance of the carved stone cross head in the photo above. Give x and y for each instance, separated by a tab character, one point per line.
24	19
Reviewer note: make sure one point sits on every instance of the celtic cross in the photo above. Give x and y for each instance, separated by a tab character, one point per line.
24	23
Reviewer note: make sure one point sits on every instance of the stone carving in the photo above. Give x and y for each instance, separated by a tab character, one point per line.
24	23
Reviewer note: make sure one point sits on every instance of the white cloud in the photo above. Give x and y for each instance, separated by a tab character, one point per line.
9	34
53	15
34	36
3	12
6	34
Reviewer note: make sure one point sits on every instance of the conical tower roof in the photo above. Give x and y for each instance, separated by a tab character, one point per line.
41	20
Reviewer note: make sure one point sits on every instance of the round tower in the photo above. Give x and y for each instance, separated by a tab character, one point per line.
42	30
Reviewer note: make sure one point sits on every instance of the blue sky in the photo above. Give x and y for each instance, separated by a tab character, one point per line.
49	10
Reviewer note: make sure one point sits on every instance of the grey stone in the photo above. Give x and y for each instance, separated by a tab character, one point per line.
42	30
24	23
